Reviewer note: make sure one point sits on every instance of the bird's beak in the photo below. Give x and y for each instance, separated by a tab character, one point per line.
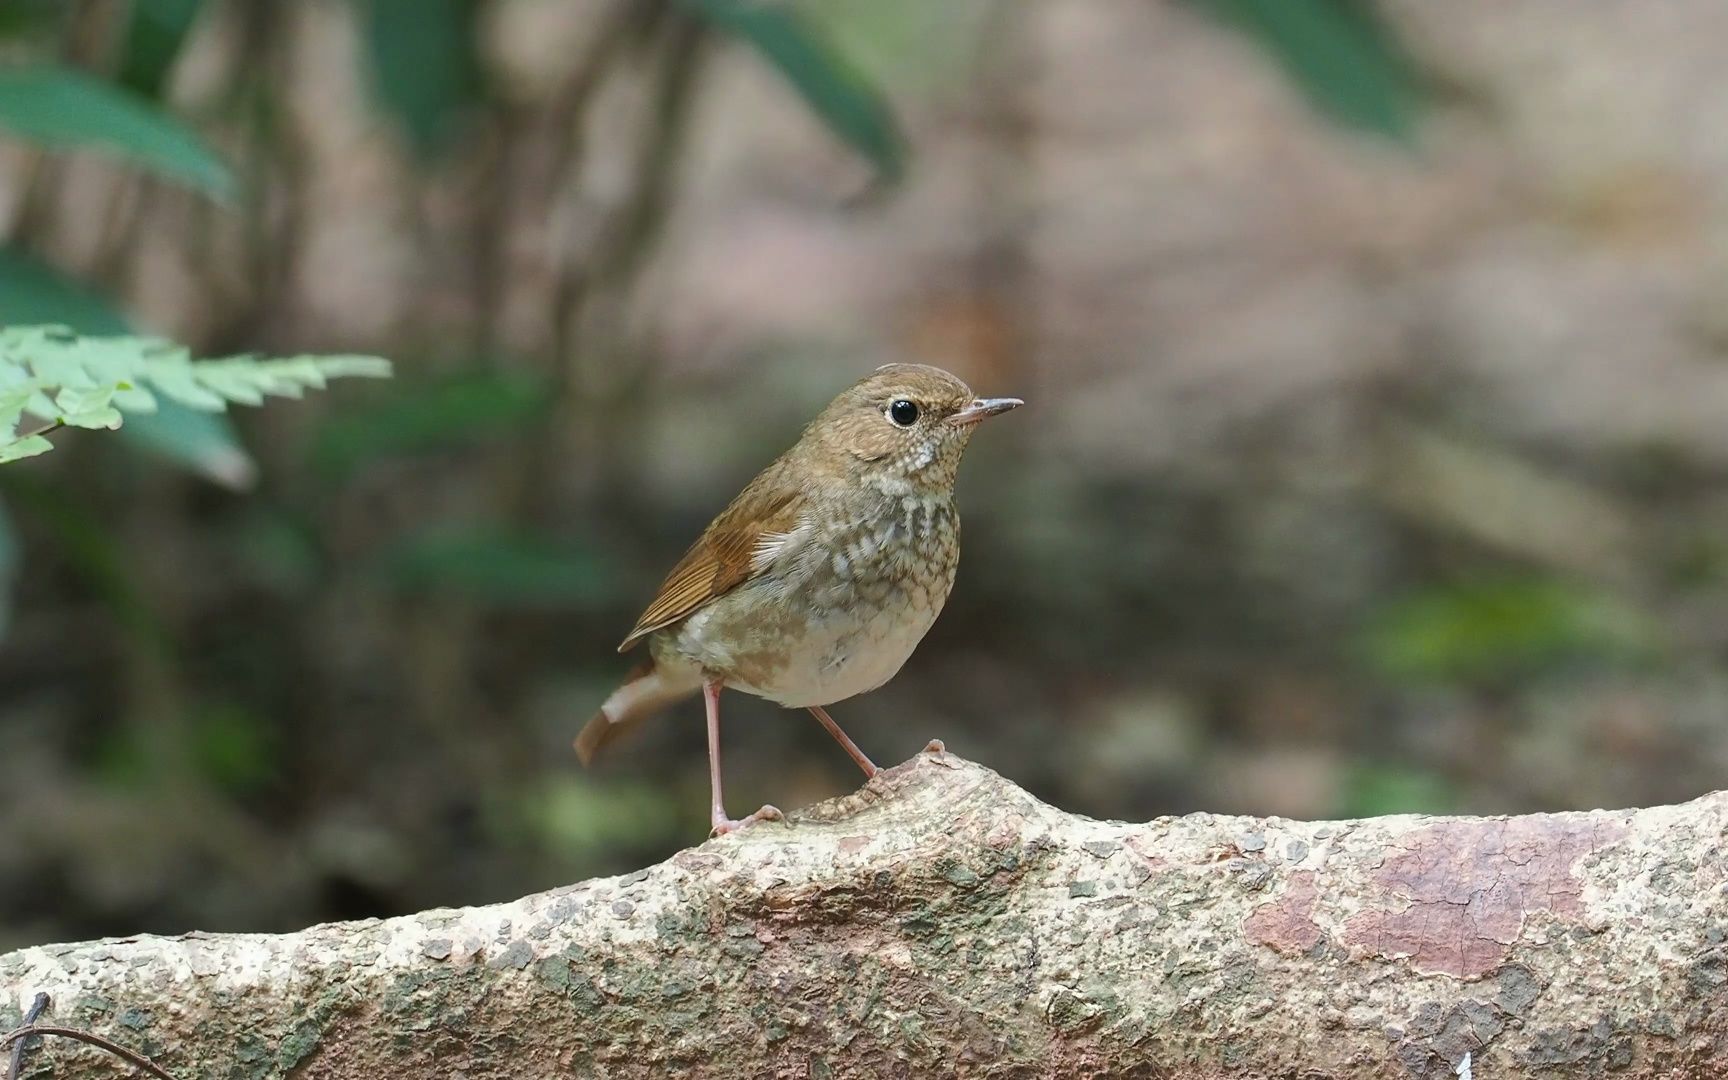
983	407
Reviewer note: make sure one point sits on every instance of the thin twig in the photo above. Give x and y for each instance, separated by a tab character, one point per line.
37	1008
130	1057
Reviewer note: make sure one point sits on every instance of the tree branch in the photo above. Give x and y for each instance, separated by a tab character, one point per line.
941	920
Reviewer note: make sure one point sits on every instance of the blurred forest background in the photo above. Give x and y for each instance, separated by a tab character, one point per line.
1375	459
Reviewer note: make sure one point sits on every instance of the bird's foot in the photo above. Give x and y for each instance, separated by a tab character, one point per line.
724	824
935	746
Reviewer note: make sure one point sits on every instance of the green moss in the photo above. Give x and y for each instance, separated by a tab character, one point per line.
134	1018
957	874
743	948
1071	1013
554	971
299	1042
689	926
943	916
251	1059
584	994
513	957
314	1020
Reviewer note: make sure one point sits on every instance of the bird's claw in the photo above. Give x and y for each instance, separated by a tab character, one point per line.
724	825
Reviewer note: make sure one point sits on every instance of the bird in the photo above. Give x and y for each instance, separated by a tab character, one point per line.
816	583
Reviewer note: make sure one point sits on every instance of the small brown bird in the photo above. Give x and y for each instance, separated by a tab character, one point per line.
824	573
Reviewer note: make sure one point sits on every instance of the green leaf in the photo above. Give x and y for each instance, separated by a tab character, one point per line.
155	34
19	449
33	292
856	112
105	417
1340	54
58	107
12	402
135	399
247	379
424	66
179	385
87	372
74	399
497	568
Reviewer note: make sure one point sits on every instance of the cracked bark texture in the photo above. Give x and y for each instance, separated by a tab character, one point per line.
941	921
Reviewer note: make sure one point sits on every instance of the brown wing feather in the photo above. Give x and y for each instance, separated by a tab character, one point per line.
720	560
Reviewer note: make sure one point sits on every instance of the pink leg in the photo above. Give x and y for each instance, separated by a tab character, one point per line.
840	737
717	814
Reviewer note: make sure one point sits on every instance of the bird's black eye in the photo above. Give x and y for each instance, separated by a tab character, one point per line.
903	412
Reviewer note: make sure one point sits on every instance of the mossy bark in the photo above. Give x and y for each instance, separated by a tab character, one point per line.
941	922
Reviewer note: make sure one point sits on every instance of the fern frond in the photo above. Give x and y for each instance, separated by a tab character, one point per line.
65	380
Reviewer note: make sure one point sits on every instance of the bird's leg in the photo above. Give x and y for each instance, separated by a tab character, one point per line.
840	737
717	814
711	699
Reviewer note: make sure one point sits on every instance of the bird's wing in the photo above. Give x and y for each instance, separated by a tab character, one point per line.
737	546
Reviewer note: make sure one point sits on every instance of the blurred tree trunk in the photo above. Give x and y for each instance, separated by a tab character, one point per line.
943	921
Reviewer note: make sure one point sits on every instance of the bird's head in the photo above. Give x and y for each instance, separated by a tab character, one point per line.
904	426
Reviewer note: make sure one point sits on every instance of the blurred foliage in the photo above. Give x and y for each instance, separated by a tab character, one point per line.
1377	788
582	819
231	746
853	109
63	108
155	34
25	19
1493	630
1341	53
89	550
234	747
424	65
453	412
33	292
896	44
498	568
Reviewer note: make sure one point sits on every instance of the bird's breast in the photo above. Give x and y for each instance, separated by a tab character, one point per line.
839	612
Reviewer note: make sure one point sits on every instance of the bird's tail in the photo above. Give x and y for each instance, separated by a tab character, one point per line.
645	693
